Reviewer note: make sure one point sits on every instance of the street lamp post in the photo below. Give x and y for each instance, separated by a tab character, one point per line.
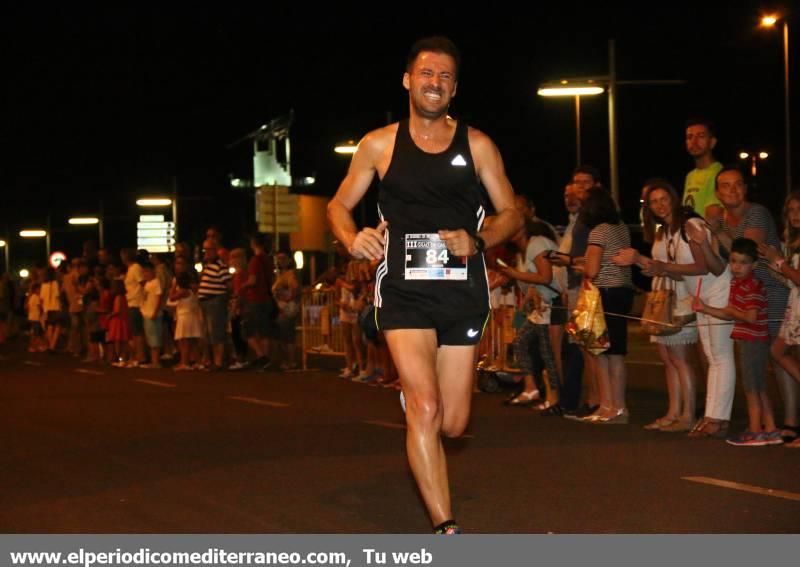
576	89
37	233
570	87
770	22
88	221
754	158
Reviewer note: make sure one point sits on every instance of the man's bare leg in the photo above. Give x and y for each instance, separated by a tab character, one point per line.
433	407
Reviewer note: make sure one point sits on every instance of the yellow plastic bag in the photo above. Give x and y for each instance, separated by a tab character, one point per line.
587	324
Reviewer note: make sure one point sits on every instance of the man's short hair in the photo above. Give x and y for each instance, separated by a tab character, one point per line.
745	247
702	121
589	170
434	44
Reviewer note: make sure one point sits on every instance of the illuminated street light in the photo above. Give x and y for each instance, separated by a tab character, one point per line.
154	202
2	243
754	158
348	147
770	21
23	273
299	261
33	233
566	89
84	220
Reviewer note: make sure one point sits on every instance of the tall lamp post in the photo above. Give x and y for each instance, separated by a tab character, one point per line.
88	221
37	233
577	89
610	83
770	22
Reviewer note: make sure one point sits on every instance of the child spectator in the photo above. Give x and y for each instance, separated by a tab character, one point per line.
747	307
189	318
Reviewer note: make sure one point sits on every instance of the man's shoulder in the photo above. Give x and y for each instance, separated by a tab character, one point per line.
378	140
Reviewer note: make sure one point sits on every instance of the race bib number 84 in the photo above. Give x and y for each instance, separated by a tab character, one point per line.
427	258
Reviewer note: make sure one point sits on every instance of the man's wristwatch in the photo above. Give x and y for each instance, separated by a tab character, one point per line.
480	245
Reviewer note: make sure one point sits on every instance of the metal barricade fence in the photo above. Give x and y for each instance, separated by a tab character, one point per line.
320	331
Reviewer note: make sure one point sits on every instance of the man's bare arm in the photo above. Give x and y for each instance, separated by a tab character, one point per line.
492	173
369	242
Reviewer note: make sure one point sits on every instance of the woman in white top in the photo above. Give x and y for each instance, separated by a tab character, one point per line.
702	270
662	220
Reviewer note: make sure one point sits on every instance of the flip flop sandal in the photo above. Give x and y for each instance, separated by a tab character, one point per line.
523	399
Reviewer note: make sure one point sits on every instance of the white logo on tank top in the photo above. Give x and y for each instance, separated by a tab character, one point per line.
472	333
459	161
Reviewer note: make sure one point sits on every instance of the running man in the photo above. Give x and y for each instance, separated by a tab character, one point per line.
431	290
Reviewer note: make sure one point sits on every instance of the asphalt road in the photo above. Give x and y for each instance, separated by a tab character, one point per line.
95	449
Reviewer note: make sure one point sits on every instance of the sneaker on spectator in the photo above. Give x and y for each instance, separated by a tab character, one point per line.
238	365
748	439
132	364
347	374
774	437
322	348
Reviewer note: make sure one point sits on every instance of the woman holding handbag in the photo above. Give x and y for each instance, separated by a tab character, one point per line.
663	219
691	257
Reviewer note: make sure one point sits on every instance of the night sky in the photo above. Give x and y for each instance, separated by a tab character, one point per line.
112	103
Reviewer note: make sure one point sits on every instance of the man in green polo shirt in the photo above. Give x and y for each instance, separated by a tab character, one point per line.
698	191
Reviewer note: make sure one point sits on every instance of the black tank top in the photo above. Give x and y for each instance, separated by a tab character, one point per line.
422	193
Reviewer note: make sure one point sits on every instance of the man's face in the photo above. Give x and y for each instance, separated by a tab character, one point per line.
572	201
699	141
731	189
582	183
209	250
213	234
431	83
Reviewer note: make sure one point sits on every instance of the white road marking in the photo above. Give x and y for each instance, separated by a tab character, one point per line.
259	402
87	371
156	383
744	487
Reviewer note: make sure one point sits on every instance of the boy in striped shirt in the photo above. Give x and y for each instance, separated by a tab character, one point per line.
747	307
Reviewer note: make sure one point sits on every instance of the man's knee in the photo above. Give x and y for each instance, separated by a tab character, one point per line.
423	409
454	428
